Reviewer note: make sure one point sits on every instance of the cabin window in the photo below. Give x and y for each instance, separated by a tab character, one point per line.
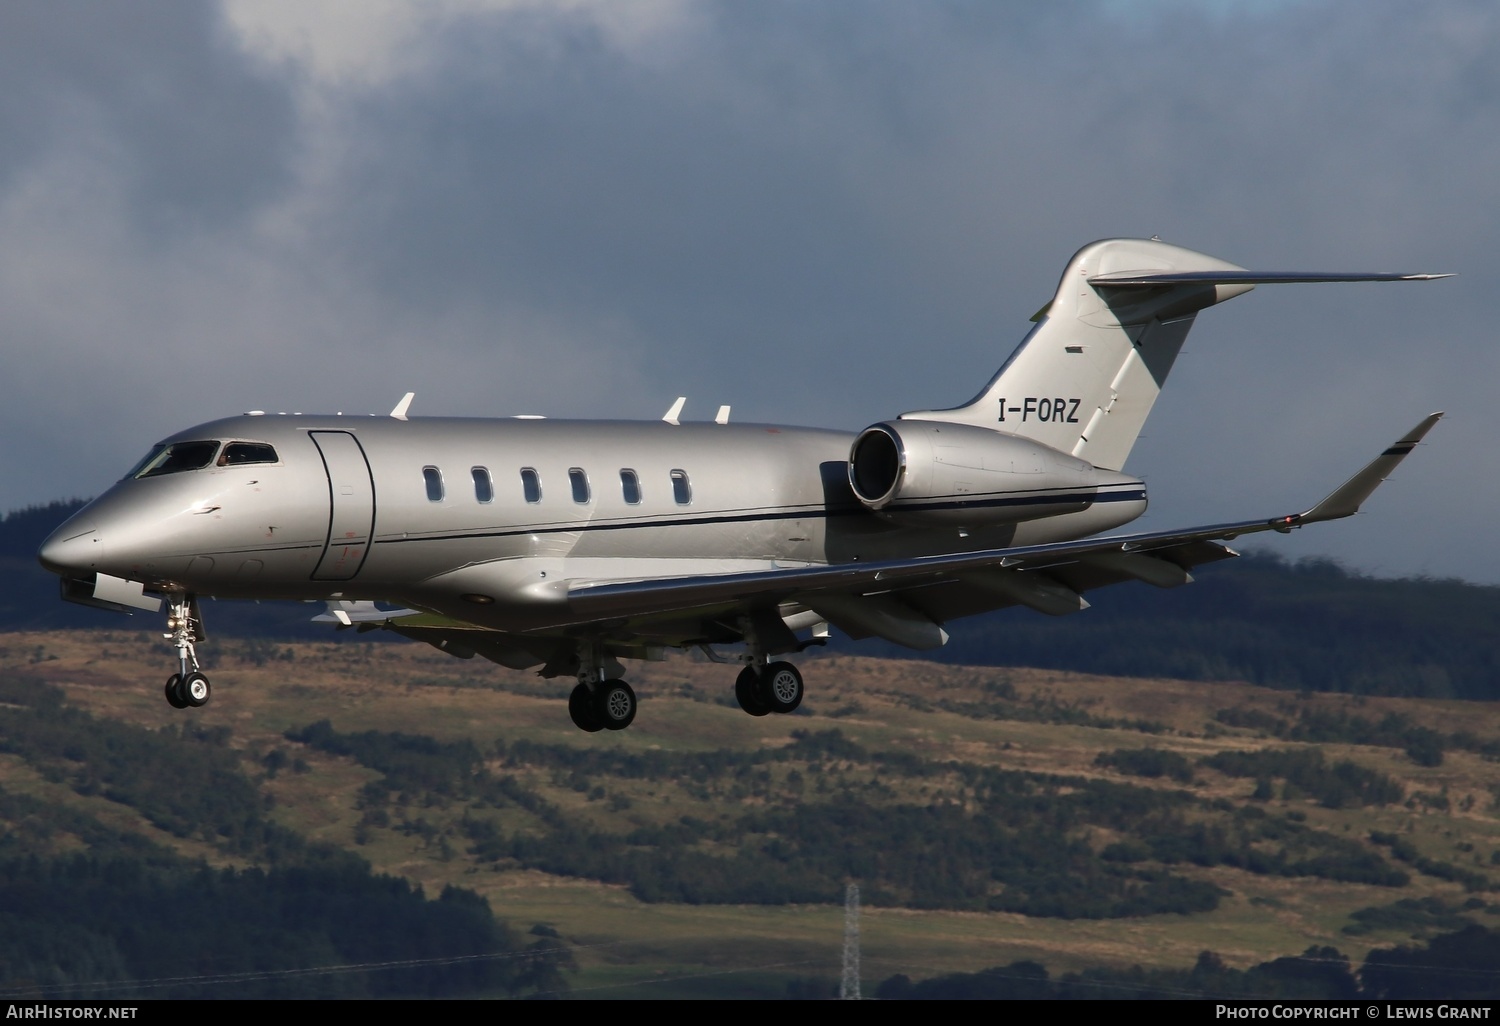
175	458
239	453
682	488
434	478
484	488
531	484
580	482
630	486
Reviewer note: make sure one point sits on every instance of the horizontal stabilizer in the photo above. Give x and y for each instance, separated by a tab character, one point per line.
1161	279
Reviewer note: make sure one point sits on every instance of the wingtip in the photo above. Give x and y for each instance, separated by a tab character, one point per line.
1419	432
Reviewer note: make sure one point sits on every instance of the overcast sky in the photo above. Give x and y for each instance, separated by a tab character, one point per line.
818	212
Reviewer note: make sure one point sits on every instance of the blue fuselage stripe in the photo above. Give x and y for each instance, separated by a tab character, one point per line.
1084	499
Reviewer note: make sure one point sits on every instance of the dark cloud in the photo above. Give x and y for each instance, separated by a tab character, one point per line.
824	213
194	132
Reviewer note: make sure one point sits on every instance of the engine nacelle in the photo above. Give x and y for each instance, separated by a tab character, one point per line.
928	472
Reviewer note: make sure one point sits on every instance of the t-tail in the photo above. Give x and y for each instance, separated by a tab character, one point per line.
1084	380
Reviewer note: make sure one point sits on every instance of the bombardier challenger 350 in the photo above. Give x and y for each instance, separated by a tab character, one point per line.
572	545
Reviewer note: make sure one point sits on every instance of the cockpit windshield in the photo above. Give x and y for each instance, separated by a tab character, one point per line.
175	458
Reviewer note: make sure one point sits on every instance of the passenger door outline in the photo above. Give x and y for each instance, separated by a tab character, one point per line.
351	505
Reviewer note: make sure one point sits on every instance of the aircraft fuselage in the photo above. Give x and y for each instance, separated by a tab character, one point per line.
433	510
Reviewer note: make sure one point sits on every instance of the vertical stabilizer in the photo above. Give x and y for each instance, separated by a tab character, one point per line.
1085	378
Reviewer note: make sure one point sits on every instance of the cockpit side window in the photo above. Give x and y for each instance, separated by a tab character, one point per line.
237	453
176	458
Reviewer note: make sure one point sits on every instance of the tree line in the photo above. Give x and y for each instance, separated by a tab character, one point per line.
1457	966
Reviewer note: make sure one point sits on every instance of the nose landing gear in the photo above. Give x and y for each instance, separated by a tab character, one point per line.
188	687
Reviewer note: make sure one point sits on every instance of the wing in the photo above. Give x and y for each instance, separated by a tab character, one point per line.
907	600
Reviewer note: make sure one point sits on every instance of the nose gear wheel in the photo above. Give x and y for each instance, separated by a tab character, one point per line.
195	690
174	692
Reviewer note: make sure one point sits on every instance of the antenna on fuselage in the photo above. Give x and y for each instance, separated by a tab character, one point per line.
405	404
675	411
722	417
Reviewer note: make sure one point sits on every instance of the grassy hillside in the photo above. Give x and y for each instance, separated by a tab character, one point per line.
991	816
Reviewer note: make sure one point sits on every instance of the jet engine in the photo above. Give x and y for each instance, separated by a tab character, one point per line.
927	472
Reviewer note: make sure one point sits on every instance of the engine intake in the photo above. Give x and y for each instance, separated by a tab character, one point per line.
928	472
876	465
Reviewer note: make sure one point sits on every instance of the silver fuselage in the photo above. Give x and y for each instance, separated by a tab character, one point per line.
345	512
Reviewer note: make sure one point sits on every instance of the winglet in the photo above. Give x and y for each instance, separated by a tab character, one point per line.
1345	500
675	411
405	404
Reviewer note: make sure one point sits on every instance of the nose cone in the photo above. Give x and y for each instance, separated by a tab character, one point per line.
72	548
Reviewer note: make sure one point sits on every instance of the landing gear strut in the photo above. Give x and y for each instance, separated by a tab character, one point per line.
598	703
188	687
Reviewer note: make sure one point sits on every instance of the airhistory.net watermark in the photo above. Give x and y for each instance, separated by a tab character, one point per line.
45	1011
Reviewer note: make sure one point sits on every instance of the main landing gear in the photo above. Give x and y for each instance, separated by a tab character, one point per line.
188	687
607	705
599	703
764	686
771	688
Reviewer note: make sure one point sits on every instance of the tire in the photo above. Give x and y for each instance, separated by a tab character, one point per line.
781	685
616	704
748	693
582	710
174	695
195	690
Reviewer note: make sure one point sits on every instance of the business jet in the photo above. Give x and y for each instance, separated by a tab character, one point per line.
572	545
